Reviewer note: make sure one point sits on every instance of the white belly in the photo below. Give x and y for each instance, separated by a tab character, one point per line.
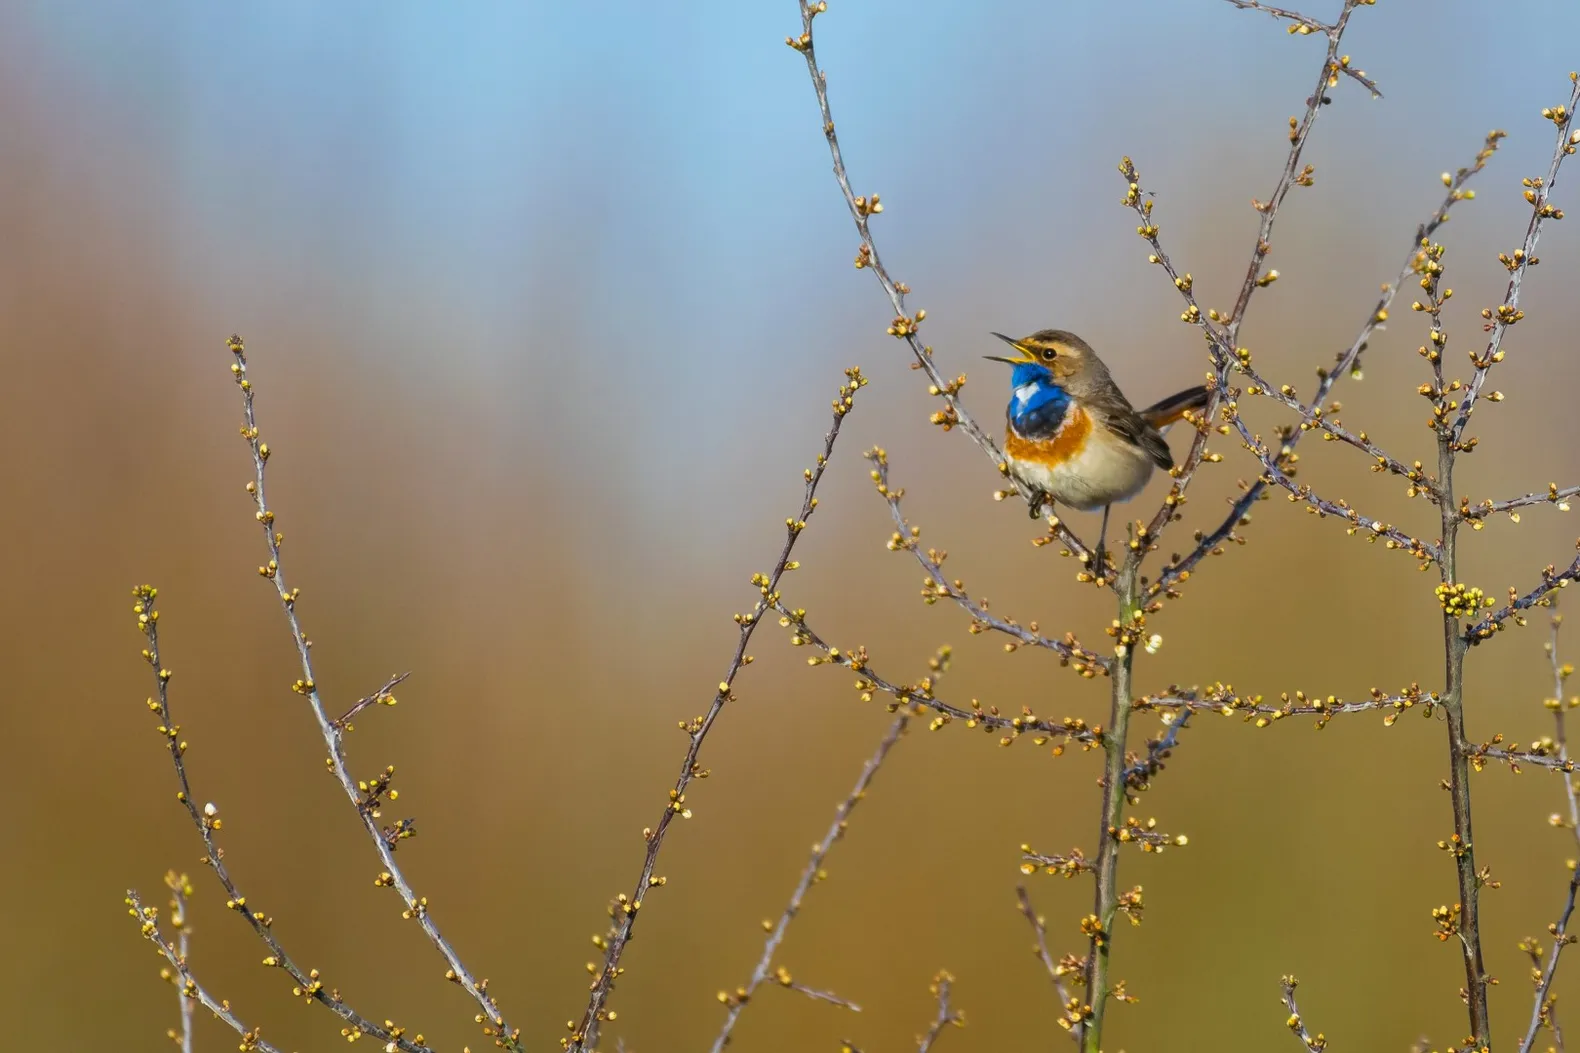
1104	472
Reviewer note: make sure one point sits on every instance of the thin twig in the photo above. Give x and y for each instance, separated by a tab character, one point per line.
1180	567
1223	333
1508	312
1317	418
1553	495
381	697
1070	1012
148	919
584	1035
1542	1006
1070	652
813	871
1544	979
906	325
180	892
1552	579
946	1016
1140	774
1297	1024
1364	526
384	840
1070	729
206	820
1222	698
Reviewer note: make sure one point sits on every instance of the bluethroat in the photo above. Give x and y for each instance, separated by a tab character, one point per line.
1071	434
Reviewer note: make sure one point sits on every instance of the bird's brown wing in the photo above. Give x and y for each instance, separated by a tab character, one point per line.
1119	417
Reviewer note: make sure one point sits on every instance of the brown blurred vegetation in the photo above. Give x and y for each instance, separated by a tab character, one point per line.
458	522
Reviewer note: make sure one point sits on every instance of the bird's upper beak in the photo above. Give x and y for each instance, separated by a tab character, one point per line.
1025	352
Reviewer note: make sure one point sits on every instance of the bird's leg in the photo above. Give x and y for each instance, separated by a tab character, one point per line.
1102	544
1038	499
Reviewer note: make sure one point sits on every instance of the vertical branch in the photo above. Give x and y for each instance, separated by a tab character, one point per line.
946	1015
1101	926
1453	598
180	890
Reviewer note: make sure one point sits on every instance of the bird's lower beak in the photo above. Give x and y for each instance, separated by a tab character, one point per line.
1025	355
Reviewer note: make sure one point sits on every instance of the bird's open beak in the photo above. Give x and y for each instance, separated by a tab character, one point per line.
1025	354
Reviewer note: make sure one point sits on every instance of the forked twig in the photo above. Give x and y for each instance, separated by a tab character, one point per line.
1070	1015
946	1015
736	1003
906	326
384	840
206	820
584	1035
148	919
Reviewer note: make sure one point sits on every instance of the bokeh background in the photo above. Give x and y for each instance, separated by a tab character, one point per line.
545	304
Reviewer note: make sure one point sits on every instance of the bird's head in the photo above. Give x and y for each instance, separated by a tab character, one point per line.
1054	352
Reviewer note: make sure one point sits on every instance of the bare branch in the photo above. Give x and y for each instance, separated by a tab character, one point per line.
207	822
1316	418
1070	652
1314	1043
906	325
1348	360
1542	1009
1070	1013
148	919
1222	698
1365	526
1508	312
946	1016
180	892
1554	496
1552	579
1140	774
381	697
813	872
921	694
584	1036
384	840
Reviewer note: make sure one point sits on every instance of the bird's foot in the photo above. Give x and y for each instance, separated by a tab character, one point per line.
1038	500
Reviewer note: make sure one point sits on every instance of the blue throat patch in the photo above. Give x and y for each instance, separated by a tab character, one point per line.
1039	413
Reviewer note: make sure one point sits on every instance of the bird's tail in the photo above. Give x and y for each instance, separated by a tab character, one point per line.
1171	409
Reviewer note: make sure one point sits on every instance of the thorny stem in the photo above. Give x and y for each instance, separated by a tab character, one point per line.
814	867
491	1017
1098	984
584	1035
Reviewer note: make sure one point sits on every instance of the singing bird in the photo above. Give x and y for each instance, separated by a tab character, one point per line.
1071	435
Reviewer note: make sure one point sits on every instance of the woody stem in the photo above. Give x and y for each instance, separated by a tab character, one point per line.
1454	649
1098	985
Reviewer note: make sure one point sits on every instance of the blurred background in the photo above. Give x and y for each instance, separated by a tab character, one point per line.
545	306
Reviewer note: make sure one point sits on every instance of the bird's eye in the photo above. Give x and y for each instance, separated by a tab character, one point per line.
1049	354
